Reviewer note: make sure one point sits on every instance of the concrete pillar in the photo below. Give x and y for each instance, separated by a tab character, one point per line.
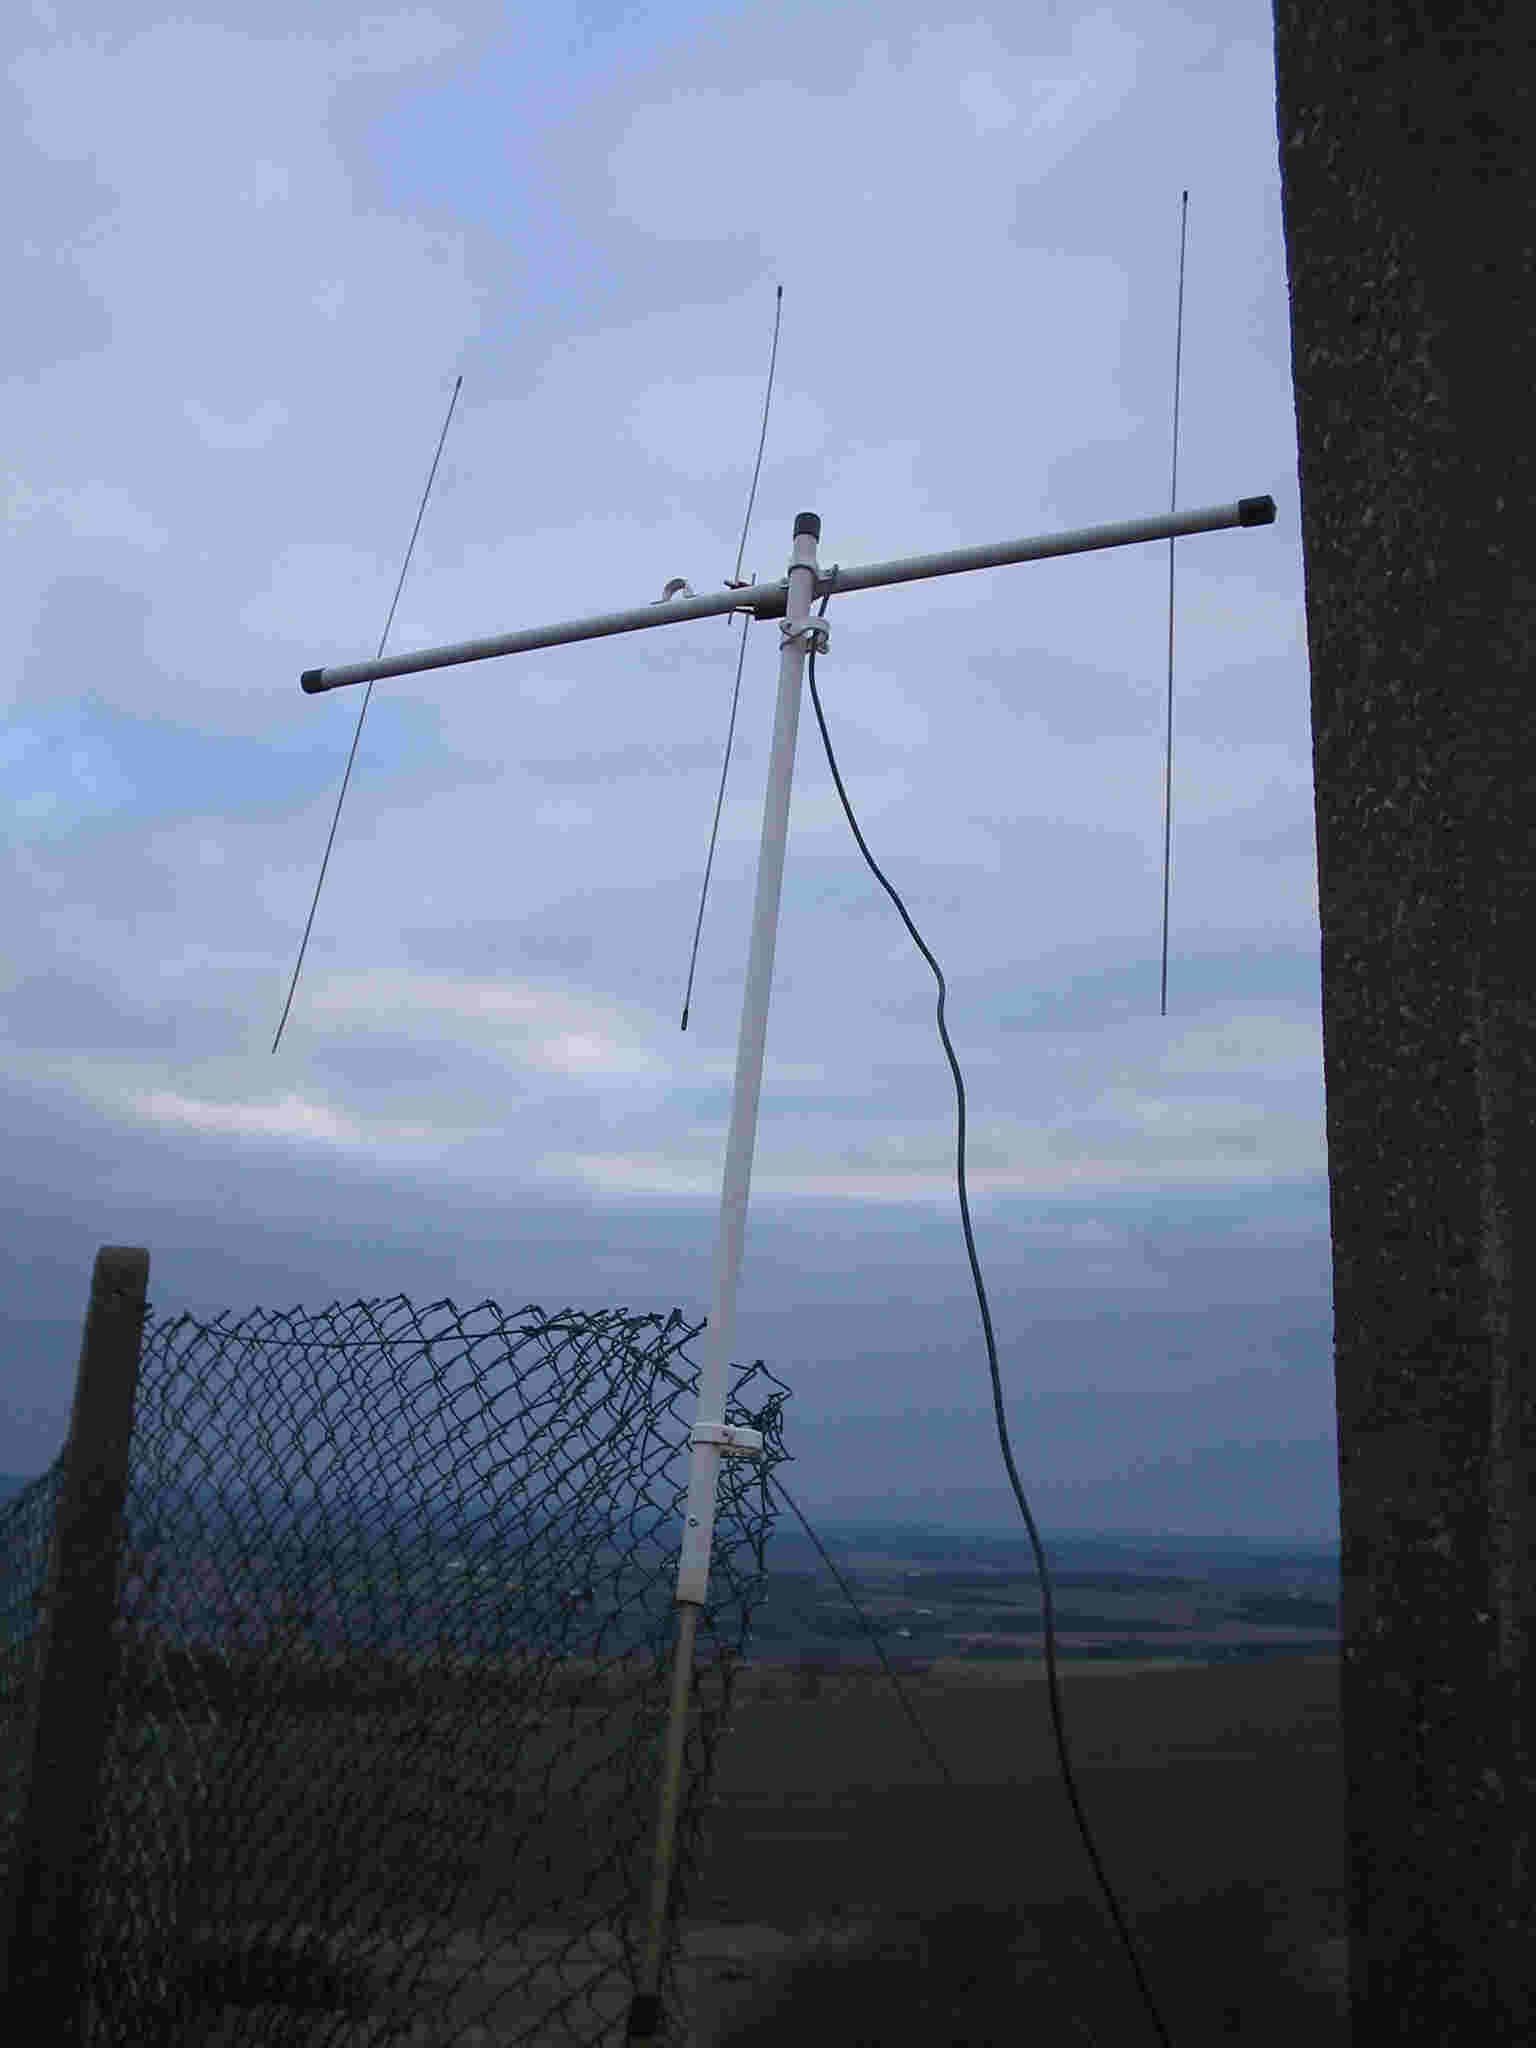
1409	193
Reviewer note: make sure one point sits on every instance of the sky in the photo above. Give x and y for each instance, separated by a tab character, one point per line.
251	252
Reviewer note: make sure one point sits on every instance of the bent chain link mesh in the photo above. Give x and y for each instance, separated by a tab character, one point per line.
381	1756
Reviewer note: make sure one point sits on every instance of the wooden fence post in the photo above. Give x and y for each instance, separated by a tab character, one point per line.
69	1687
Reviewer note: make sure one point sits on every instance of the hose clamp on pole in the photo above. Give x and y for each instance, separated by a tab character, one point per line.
812	631
732	1439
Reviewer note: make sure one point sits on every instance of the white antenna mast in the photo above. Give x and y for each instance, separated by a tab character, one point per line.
790	603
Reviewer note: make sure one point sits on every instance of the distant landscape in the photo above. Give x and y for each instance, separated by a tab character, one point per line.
577	1586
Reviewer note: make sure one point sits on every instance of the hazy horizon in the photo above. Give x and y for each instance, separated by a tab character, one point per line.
834	1530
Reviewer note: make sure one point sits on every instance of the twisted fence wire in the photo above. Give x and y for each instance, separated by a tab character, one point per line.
427	1702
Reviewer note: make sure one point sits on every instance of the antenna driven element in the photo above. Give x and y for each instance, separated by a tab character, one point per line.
733	583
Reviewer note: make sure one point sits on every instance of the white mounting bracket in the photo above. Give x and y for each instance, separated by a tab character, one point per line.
732	1439
812	631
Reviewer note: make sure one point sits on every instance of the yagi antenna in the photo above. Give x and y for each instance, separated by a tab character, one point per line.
789	602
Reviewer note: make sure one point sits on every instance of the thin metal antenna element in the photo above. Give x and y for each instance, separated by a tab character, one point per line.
410	550
773	357
1178	350
736	584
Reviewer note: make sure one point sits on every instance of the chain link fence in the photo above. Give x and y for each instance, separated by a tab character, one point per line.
389	1674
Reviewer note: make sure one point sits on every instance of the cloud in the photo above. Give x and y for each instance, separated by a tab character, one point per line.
959	89
89	511
256	261
238	436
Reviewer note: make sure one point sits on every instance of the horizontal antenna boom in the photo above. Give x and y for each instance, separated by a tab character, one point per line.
767	600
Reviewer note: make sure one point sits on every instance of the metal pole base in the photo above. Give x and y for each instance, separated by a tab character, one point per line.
645	2008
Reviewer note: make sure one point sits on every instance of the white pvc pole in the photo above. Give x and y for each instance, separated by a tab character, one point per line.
698	1526
710	1438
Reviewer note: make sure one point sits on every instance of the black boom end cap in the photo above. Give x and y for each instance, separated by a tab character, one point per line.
1255	511
310	680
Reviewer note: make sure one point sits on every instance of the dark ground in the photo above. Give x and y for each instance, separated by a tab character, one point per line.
1215	1800
970	1912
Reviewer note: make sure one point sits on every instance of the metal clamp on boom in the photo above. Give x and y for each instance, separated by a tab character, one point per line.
812	631
733	1440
